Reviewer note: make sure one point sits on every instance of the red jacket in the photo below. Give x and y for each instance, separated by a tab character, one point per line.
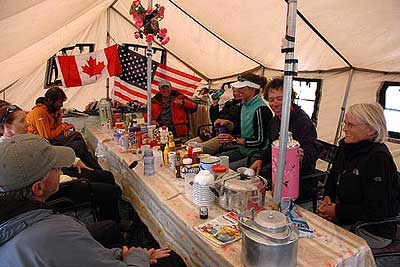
179	112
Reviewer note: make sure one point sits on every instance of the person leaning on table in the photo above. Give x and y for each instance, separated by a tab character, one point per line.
32	235
363	184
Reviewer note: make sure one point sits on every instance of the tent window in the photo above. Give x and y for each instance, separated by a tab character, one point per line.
51	76
389	98
308	95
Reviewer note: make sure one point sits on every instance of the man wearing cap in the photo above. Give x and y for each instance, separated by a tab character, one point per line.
254	118
32	235
169	108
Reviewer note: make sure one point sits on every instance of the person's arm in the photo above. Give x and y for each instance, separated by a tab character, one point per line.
375	187
306	135
189	105
43	124
262	117
74	246
214	112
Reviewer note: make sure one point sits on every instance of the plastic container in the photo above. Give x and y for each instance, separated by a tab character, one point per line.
148	160
218	94
290	186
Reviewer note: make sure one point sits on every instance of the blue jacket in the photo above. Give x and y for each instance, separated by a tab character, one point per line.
39	238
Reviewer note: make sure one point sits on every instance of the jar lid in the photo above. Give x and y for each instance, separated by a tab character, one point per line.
218	168
237	185
271	221
187	161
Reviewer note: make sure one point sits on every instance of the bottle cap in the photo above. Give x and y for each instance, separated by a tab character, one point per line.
218	168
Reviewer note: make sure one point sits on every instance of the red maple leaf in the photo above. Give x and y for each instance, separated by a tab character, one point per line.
93	68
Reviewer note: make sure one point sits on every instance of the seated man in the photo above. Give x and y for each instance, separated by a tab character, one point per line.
169	108
45	120
228	118
254	118
302	129
34	236
106	192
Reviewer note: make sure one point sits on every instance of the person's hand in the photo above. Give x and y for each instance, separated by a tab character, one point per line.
67	132
327	209
225	138
70	126
300	153
80	165
214	102
125	251
222	122
256	166
179	101
155	254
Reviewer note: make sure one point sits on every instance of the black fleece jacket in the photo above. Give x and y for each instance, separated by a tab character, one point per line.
230	111
364	185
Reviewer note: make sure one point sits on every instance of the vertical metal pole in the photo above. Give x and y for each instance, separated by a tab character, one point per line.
289	71
149	54
108	44
343	108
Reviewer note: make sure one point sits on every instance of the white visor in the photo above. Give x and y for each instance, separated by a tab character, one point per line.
241	84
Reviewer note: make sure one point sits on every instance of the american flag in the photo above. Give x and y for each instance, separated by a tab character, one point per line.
131	83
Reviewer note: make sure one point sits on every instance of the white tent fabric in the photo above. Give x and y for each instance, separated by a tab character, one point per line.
214	40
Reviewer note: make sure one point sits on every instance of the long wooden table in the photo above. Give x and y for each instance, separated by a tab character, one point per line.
170	217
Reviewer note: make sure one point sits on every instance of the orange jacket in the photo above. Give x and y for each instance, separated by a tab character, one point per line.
42	122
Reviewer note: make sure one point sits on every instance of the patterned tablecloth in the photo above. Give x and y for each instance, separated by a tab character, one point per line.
170	217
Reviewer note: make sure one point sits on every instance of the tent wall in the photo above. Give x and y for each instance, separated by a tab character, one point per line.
243	35
29	87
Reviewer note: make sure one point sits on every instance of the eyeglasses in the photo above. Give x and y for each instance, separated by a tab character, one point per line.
351	125
11	109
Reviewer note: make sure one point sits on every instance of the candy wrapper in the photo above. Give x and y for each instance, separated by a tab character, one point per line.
296	217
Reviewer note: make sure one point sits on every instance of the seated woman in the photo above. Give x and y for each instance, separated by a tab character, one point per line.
363	184
254	118
45	119
106	192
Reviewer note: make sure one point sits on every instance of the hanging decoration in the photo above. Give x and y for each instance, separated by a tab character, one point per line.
147	22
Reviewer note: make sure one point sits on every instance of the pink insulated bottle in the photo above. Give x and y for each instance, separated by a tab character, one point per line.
290	186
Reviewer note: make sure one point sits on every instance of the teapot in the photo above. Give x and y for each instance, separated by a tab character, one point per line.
268	239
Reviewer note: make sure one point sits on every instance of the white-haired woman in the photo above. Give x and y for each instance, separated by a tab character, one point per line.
363	184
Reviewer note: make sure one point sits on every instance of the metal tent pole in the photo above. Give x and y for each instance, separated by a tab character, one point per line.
290	70
149	54
108	44
343	108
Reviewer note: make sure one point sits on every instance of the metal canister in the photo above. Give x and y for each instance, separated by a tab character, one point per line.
290	186
268	240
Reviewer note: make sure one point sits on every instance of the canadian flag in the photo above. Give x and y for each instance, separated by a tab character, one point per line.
89	68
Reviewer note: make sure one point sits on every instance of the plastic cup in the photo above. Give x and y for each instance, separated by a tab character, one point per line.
224	161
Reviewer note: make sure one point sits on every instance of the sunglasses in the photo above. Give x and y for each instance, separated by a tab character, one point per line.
11	109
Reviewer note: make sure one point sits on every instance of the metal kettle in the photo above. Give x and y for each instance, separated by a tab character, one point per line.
268	239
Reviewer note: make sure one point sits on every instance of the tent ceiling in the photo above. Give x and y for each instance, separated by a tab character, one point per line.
242	34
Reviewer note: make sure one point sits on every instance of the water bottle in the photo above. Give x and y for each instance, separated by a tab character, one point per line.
148	160
218	94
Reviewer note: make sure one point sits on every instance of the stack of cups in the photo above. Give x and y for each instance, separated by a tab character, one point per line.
202	194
